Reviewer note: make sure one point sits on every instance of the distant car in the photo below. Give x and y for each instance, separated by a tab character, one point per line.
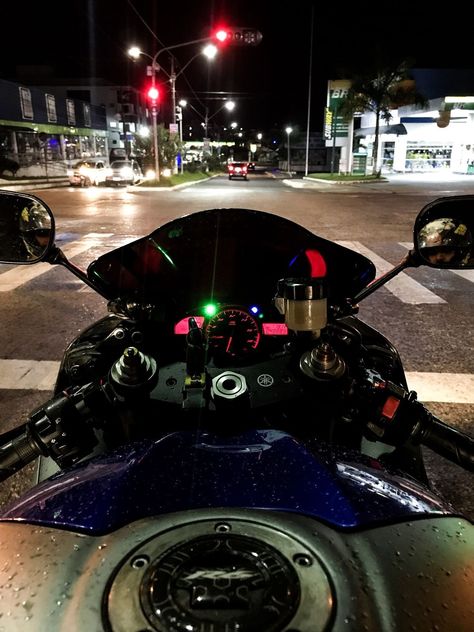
87	172
123	172
251	166
237	170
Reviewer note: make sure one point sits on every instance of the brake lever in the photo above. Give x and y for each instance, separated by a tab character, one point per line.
399	417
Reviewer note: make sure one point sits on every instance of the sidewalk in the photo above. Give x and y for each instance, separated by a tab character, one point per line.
24	184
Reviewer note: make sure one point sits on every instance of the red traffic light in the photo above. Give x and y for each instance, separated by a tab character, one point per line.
221	35
153	93
238	36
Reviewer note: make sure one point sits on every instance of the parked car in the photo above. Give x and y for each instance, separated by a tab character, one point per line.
237	170
123	172
87	172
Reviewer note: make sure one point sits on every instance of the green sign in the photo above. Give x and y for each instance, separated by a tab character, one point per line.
340	126
359	164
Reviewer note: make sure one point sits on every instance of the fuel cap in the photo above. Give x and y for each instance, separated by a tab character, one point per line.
221	583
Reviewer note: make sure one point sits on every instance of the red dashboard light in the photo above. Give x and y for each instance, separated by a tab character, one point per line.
182	327
274	329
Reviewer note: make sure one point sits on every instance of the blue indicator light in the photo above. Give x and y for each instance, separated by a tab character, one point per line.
254	309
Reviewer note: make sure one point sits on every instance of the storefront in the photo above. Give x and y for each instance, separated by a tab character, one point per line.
44	134
438	138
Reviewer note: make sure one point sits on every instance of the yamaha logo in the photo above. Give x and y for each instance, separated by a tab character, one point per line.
265	380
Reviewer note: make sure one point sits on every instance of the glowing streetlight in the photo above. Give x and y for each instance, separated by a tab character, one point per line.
288	131
135	52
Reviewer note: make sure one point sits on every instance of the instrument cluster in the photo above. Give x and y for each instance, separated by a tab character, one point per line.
234	331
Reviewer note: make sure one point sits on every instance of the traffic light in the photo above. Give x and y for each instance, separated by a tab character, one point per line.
238	36
153	94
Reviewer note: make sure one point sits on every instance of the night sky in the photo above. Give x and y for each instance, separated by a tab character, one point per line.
270	82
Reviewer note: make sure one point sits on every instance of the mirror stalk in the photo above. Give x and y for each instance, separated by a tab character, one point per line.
57	257
412	260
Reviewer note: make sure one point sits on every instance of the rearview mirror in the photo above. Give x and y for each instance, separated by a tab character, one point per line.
444	233
26	228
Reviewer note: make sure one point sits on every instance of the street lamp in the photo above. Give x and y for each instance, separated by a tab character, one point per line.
182	104
210	51
135	52
288	130
228	105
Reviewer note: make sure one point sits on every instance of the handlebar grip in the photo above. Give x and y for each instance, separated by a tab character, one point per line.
449	443
16	454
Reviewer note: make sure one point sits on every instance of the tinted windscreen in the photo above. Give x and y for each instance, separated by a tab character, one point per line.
233	255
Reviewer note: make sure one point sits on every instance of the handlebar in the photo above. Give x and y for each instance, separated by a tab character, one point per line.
447	441
16	454
400	417
57	429
63	429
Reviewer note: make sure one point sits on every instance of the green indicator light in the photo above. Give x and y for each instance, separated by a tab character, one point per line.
260	315
210	309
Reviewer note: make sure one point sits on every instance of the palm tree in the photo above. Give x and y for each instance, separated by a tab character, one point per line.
380	91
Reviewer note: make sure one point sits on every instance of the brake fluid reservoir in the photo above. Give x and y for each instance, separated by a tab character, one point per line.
303	301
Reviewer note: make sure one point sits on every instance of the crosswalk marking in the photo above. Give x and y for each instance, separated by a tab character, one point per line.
402	286
450	388
22	274
40	375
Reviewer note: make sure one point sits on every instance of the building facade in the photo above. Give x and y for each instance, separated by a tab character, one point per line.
42	131
438	136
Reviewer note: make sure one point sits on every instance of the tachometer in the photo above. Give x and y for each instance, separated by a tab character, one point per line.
233	332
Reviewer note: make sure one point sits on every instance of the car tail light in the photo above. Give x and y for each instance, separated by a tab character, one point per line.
231	168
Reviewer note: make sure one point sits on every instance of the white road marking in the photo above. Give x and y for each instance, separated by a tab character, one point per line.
40	375
450	388
464	274
402	286
22	274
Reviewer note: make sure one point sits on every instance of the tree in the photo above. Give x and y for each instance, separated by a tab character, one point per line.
380	91
168	147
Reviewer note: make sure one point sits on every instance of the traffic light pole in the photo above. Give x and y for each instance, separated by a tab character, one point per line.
155	144
173	94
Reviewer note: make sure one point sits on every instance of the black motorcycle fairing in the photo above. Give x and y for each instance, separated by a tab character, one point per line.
230	255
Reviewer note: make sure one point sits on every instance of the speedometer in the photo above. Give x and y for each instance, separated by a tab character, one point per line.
233	332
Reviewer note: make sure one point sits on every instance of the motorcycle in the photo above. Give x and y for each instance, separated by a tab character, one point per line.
231	448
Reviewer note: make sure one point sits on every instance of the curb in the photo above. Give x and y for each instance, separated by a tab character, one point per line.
137	189
32	184
322	181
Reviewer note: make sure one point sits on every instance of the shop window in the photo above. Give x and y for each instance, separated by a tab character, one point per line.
87	114
26	103
51	108
424	157
71	112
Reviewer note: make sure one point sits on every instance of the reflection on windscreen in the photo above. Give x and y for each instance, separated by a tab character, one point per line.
228	255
